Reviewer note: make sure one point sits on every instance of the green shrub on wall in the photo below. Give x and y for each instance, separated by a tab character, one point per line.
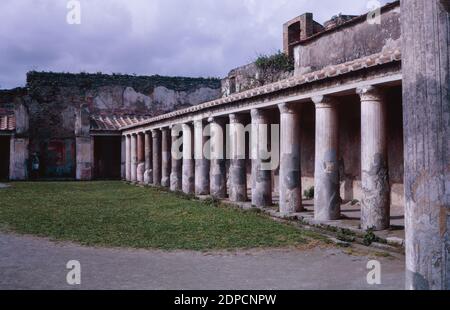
37	80
278	62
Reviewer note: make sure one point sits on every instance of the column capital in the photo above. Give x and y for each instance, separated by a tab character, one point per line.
258	113
216	119
370	93
155	133
324	102
186	126
236	118
198	123
165	129
289	108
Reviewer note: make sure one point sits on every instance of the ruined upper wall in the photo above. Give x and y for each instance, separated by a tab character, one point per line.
54	98
122	94
351	40
265	70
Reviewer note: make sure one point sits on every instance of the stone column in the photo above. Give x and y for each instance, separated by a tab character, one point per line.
218	175
238	168
201	161
327	200
188	182
176	175
166	157
122	157
156	138
133	173
128	158
18	164
84	146
290	170
375	203
140	158
261	176
426	114
148	173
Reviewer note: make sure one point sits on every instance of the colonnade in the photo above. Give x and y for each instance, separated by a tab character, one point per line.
191	157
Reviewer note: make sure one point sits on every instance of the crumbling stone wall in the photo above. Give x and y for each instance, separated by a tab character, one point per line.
53	100
349	41
250	76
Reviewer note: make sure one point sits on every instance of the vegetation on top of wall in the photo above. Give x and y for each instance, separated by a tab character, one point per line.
35	80
9	95
275	63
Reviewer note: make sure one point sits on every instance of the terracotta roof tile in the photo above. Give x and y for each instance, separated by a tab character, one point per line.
113	122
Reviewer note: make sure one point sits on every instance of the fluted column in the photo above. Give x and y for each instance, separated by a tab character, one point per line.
375	203
123	157
290	170
261	175
188	182
166	157
201	161
177	159
148	173
133	158
128	158
426	114
327	200
218	176
238	168
140	158
156	137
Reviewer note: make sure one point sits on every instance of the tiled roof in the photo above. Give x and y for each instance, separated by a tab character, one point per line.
7	120
113	122
385	57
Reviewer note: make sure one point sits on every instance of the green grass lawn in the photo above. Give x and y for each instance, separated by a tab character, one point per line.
120	215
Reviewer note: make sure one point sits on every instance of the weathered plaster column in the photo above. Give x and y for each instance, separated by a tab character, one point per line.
327	200
166	157
133	173
19	153
290	170
156	138
140	158
218	175
426	115
84	146
238	168
18	170
261	177
176	175
122	157
148	172
375	203
128	157
201	162
188	181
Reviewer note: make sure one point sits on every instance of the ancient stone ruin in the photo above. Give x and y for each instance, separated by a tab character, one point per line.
364	117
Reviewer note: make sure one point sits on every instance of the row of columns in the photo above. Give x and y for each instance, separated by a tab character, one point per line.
194	173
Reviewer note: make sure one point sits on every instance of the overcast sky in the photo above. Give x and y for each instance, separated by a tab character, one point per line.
166	37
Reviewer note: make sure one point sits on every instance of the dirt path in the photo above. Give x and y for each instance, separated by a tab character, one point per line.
35	263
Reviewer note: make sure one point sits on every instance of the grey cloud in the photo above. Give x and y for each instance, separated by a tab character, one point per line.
167	37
